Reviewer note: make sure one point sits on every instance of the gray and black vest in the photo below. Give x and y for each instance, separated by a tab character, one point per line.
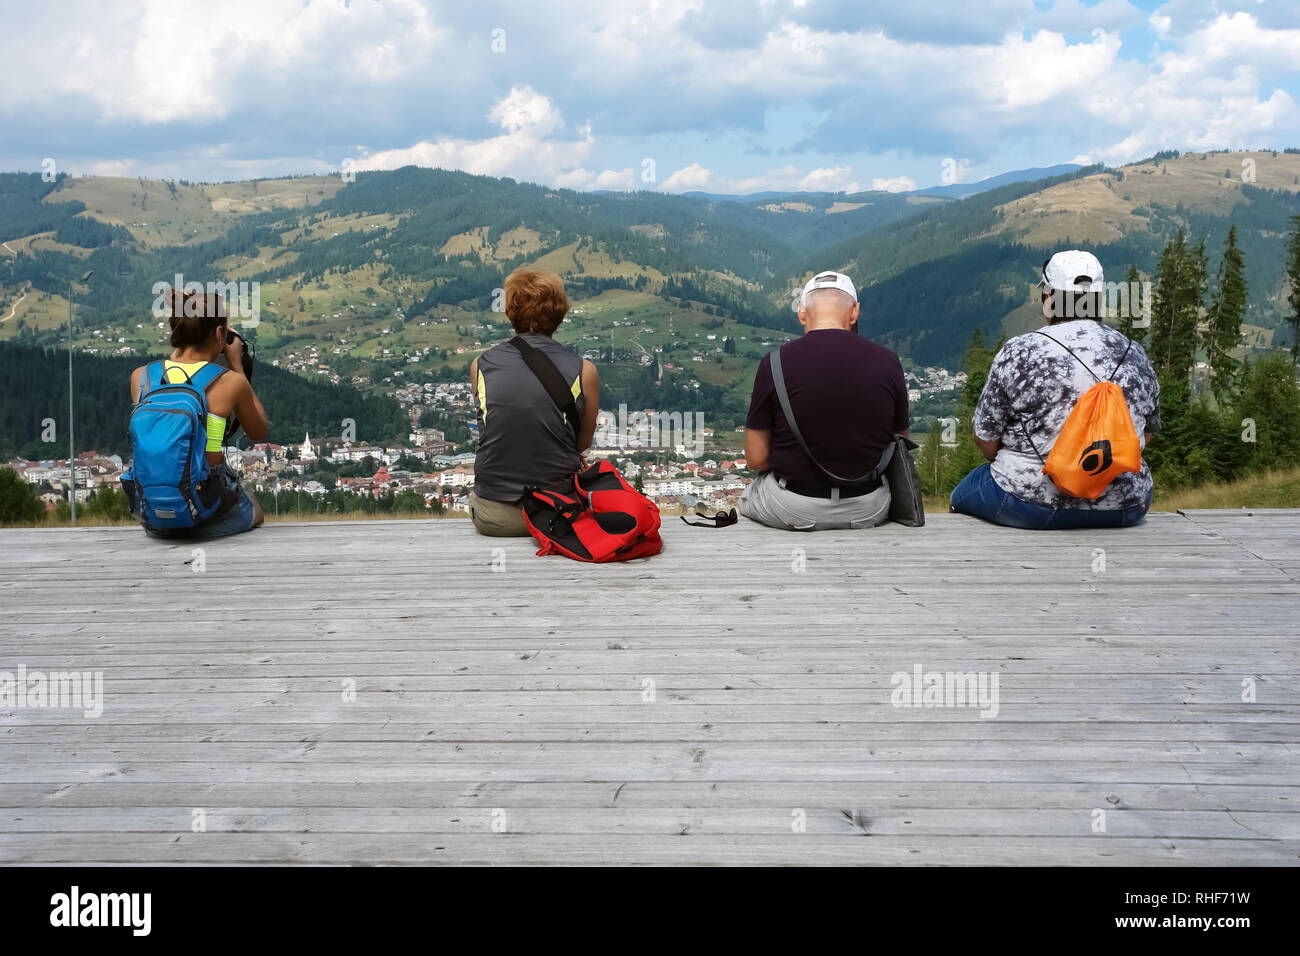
523	439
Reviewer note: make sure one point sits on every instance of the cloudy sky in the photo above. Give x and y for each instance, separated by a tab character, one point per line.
728	96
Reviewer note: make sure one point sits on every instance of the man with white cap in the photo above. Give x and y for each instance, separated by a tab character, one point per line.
1033	385
848	399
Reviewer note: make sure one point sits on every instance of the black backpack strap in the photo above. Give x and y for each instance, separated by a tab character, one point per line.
1076	358
778	379
1021	420
1121	361
551	380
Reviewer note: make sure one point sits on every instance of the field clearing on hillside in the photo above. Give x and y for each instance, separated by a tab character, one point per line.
560	261
264	194
1099	208
268	257
159	213
519	241
569	260
465	243
45	243
334	293
599	264
38	310
327	227
22	244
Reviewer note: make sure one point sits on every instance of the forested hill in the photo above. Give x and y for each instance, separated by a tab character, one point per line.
34	387
394	277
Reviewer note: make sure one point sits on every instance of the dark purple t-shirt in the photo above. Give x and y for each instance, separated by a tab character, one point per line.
848	395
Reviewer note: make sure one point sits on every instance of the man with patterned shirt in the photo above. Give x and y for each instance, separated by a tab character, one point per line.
1032	387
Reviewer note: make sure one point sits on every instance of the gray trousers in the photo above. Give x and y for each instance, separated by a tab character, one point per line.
768	502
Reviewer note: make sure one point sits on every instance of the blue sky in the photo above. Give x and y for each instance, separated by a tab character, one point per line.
727	96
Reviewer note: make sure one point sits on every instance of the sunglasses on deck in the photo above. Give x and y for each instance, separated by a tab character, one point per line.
720	520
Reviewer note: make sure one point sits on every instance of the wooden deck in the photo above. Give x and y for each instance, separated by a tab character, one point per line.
504	716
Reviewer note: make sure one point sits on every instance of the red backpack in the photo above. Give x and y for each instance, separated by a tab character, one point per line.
602	519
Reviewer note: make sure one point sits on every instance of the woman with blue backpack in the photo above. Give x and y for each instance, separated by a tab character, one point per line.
179	483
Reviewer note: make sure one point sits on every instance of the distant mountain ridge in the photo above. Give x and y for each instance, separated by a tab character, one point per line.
394	277
962	190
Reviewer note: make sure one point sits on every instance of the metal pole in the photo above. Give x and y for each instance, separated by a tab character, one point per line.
72	461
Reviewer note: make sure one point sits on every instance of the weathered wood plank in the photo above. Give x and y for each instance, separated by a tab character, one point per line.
649	850
1120	689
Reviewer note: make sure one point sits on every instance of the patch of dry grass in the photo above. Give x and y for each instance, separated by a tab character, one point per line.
1268	489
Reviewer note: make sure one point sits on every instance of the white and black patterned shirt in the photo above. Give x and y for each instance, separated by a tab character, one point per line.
1032	387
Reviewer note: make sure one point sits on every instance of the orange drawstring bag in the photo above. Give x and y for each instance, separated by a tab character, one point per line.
1097	443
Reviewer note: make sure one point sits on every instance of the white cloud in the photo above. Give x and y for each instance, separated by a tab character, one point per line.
523	149
789	178
179	83
830	180
688	178
897	184
1206	95
524	109
187	60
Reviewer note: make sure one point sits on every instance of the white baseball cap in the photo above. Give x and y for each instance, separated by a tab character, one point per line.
1072	271
830	280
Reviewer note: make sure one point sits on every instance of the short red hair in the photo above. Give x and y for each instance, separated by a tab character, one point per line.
535	301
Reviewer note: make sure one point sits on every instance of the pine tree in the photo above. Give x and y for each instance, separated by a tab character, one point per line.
978	359
1223	331
1293	274
931	465
1175	308
1270	400
18	501
1126	321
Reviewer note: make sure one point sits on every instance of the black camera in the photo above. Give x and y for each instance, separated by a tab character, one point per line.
247	354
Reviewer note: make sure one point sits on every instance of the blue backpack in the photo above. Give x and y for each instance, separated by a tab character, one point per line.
169	483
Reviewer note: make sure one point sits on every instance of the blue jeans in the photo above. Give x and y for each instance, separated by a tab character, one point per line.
980	496
240	517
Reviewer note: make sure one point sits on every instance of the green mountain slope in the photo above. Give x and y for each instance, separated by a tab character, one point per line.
392	278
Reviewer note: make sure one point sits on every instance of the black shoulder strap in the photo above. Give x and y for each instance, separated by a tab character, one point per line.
552	381
778	379
1121	361
1071	351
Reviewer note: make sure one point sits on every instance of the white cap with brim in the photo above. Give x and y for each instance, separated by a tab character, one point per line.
830	280
1072	271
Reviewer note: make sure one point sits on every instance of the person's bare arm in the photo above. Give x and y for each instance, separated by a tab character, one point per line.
135	383
989	449
252	416
758	446
473	379
591	406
